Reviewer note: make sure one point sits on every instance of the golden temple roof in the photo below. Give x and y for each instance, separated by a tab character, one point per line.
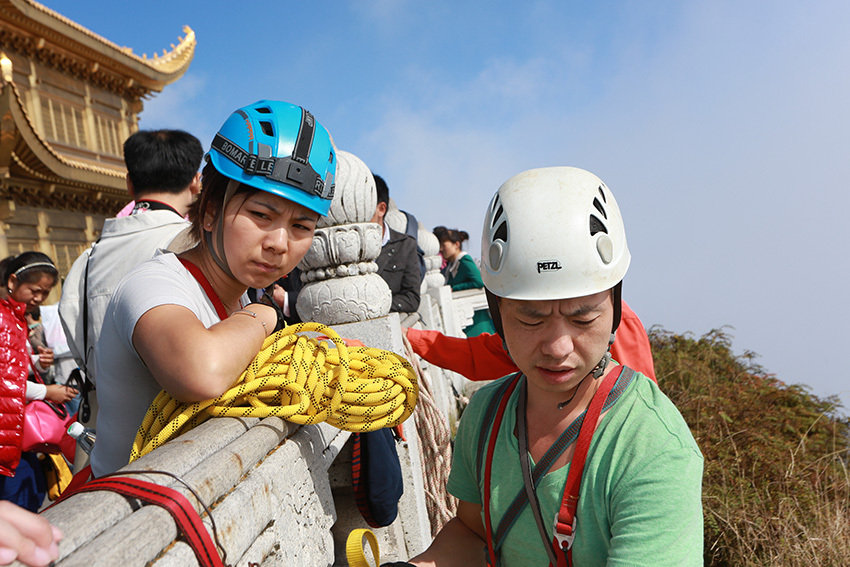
43	25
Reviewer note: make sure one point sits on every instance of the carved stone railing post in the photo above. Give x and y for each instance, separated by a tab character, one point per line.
342	288
431	247
341	284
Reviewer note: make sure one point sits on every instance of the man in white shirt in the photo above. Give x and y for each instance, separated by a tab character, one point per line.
163	178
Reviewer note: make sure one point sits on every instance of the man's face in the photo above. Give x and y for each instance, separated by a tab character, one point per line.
556	343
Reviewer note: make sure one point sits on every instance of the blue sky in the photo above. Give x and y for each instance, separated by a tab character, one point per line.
722	127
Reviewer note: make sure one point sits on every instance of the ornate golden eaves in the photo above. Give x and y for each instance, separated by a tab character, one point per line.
33	173
38	32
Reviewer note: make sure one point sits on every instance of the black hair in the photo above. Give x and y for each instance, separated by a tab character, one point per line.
453	235
162	160
213	190
382	189
440	232
27	267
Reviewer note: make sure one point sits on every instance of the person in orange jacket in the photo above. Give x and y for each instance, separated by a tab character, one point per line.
484	357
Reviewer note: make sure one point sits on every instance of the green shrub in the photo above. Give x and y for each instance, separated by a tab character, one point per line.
776	489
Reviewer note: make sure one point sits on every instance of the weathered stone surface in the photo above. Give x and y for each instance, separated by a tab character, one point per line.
343	245
354	196
347	300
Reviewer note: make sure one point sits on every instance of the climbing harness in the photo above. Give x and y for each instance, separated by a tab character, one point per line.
561	547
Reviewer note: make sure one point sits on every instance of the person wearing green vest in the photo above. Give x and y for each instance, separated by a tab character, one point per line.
573	460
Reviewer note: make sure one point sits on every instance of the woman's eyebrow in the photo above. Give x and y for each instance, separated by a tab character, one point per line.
259	201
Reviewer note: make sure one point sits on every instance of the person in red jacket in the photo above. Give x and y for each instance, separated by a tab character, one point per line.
484	357
29	277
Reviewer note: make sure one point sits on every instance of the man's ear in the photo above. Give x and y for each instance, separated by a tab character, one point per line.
380	211
195	185
130	186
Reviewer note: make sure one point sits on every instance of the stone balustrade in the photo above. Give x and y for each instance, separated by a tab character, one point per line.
280	494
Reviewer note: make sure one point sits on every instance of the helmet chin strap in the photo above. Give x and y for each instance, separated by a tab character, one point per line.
599	369
221	260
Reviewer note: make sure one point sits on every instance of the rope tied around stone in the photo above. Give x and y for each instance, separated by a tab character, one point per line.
301	379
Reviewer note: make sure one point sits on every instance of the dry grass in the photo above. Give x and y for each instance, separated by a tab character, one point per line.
776	489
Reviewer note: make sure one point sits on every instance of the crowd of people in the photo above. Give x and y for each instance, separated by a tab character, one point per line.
180	293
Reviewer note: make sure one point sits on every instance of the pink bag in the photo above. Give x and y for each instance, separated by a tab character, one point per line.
46	429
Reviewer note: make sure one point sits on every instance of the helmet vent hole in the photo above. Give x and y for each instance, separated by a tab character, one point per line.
264	110
600	208
267	127
602	193
596	225
501	232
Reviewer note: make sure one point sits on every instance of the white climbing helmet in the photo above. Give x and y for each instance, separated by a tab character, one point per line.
553	233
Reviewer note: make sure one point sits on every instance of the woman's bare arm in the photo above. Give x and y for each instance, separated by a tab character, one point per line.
192	362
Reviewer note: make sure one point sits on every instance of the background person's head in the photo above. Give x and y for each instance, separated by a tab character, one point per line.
268	161
161	161
383	193
451	243
440	232
29	277
554	239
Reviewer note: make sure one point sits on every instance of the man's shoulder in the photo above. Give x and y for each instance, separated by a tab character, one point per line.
648	409
396	236
135	240
151	220
484	395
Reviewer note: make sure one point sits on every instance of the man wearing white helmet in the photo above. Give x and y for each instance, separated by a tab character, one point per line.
574	460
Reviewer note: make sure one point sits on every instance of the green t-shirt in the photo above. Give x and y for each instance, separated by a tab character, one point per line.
640	501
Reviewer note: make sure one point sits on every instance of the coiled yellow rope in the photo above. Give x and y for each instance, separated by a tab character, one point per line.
301	379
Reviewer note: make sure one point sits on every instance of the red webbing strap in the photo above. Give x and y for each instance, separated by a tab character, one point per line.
79	480
208	289
488	461
357	484
565	521
187	519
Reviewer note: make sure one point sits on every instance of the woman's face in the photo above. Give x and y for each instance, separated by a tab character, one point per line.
265	236
33	293
449	249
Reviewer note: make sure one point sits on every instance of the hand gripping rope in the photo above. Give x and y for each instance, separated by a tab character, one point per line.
301	379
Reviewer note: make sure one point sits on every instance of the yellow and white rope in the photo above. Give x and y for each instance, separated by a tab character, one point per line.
301	379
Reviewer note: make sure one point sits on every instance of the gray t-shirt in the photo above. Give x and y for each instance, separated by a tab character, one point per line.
125	387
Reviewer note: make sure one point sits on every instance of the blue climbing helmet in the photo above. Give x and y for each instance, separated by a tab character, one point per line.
280	148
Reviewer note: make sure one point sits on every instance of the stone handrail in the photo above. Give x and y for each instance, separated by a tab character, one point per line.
281	494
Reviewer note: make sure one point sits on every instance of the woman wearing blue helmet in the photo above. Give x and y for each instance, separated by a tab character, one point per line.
172	323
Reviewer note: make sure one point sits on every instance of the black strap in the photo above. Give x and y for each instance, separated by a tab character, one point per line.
84	411
294	170
143	205
531	495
